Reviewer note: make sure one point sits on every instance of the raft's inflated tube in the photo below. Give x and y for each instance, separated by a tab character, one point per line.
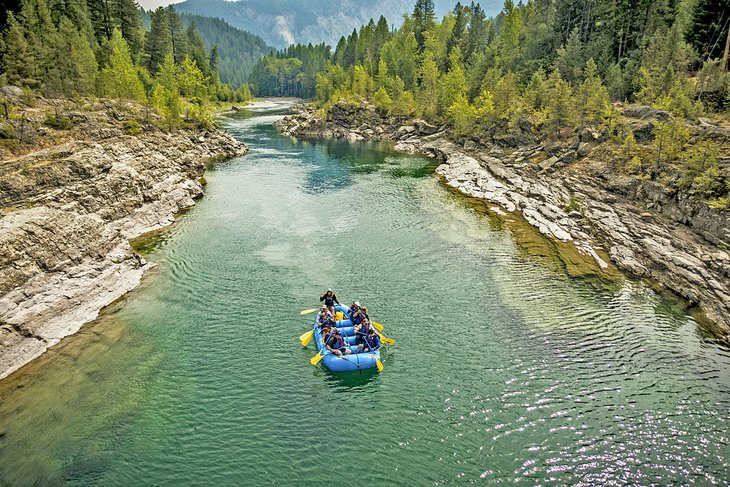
346	363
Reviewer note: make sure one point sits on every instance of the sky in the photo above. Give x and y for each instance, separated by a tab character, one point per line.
153	4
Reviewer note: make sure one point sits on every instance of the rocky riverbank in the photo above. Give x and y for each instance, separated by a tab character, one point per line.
69	211
572	192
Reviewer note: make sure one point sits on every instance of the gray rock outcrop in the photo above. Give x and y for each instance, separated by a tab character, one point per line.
68	215
676	242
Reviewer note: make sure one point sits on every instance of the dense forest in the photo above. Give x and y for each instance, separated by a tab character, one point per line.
71	48
538	55
238	50
539	69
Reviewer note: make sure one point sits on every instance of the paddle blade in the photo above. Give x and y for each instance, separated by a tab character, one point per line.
306	337
308	311
378	326
379	365
315	360
386	340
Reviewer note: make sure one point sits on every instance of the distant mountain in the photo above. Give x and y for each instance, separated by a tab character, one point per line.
283	22
239	50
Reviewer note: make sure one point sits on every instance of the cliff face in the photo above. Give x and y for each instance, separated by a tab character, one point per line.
571	193
68	213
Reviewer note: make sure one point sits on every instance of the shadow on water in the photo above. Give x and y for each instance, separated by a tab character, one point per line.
347	381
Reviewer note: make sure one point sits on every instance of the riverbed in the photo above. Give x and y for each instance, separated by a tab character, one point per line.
506	369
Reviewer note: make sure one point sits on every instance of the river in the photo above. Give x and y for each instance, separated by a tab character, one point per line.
506	370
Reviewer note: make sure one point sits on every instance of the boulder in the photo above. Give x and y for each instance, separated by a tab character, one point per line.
425	128
590	134
643	112
583	149
405	131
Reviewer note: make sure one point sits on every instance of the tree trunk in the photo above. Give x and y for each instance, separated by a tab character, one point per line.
727	51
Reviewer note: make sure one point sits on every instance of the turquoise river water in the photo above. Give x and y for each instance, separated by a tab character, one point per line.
506	370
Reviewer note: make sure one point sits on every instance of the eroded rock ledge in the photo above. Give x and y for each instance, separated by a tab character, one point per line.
571	195
68	214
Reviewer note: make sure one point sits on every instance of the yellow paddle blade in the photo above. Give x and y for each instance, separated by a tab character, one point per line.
315	360
378	326
386	340
307	311
306	337
379	365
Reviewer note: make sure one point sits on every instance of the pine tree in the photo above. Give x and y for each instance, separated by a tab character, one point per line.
76	61
197	49
166	95
561	105
591	97
458	32
180	47
125	14
119	79
509	37
100	14
42	36
478	36
452	86
158	43
17	60
423	20
429	86
570	60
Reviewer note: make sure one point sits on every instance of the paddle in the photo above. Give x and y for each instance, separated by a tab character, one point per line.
386	340
379	365
377	326
308	311
305	338
317	358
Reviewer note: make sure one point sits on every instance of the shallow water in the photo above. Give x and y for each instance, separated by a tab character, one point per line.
506	370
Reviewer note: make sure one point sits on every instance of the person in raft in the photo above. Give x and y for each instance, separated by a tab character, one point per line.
360	315
336	344
371	342
324	318
362	330
329	299
327	333
352	311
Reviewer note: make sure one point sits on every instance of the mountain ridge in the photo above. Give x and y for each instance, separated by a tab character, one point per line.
281	22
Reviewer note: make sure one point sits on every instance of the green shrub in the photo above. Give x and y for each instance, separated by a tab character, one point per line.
58	122
132	127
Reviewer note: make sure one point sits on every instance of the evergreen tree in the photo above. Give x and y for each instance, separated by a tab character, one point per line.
17	60
509	37
423	20
708	28
478	37
591	97
42	36
125	14
166	95
570	59
458	32
158	43
76	61
100	13
119	79
178	36
561	105
452	86
197	49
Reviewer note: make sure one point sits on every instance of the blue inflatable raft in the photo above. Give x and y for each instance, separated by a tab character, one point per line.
346	363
